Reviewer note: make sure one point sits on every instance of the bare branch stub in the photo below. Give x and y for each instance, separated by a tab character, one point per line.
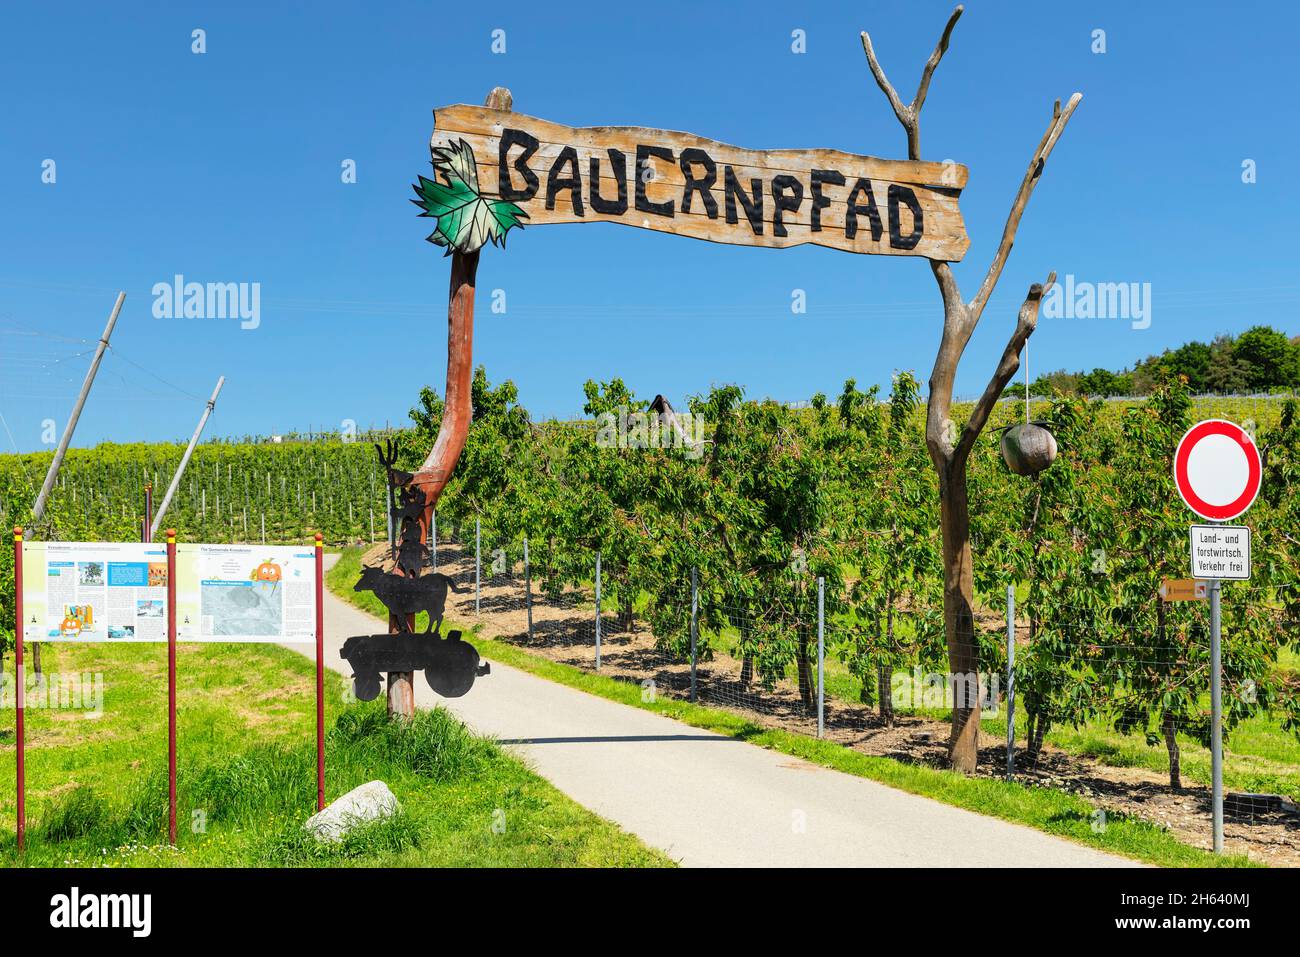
960	318
932	64
1035	170
1026	323
910	115
499	99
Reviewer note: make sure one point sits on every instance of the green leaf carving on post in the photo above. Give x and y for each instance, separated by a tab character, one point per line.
466	219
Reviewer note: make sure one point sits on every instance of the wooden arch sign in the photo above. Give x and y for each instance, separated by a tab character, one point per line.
691	186
495	169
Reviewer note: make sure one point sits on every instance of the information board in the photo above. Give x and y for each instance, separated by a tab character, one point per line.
245	593
94	591
109	591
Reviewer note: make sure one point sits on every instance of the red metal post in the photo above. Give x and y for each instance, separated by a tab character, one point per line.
171	685
19	681
320	673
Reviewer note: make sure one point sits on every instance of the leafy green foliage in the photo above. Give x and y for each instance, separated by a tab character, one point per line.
769	499
1261	359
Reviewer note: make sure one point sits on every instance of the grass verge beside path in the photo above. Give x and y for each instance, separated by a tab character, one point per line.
97	787
1044	809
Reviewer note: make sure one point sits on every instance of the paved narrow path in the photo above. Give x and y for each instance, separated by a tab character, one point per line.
710	800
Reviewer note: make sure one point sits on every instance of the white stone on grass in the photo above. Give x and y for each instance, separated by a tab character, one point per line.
370	802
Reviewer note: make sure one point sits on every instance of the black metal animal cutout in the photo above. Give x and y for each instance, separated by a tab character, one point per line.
450	665
397	479
406	595
388	458
411	550
405	544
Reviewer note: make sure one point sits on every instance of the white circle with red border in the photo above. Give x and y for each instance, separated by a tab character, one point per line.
1217	469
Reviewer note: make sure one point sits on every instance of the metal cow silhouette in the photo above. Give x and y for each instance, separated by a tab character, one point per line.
404	595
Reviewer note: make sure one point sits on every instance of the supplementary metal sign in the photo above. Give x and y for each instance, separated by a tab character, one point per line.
1217	469
1183	589
1221	551
692	186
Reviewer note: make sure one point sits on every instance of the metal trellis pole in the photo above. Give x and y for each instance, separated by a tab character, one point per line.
185	459
38	509
528	589
597	610
695	609
478	563
821	656
1011	681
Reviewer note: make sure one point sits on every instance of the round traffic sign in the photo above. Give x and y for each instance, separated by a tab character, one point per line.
1217	469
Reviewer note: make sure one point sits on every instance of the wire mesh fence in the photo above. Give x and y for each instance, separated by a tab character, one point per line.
1116	714
1123	718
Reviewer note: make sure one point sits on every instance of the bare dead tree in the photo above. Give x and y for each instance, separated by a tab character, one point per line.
949	447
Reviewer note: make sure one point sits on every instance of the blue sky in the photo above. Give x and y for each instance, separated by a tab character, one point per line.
226	166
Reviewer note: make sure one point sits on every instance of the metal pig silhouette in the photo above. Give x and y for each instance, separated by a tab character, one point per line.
449	664
407	595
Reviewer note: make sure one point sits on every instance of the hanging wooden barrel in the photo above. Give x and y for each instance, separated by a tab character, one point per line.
1028	448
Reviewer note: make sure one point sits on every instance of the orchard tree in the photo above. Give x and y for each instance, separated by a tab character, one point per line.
1058	546
948	445
1277	545
1159	648
606	503
895	547
770	468
1157	665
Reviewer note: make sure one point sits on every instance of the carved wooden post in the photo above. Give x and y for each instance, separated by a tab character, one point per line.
434	474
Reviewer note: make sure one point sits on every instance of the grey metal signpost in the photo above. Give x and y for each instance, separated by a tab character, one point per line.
1218	471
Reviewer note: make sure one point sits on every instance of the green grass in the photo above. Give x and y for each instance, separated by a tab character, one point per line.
97	787
1047	810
